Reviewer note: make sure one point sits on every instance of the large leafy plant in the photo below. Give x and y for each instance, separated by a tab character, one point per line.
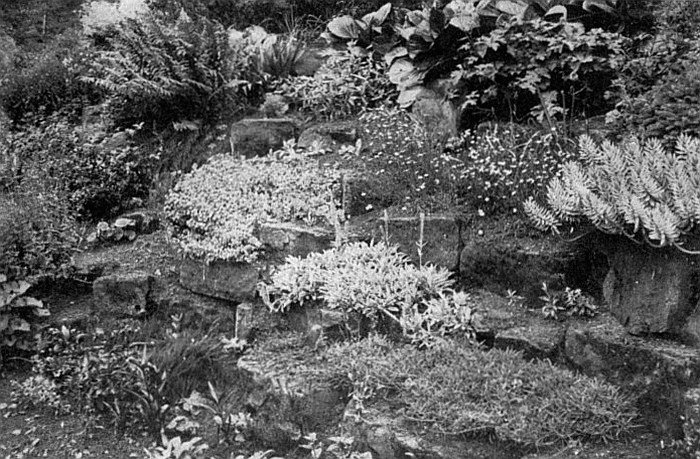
639	190
426	43
18	315
525	64
158	70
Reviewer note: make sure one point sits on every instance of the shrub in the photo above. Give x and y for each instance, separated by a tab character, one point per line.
520	65
678	16
44	81
279	55
572	302
39	233
160	71
96	180
458	390
375	283
216	208
344	86
650	58
504	164
635	189
668	108
102	17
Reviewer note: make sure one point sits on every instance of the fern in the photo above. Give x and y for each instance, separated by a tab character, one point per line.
639	190
170	70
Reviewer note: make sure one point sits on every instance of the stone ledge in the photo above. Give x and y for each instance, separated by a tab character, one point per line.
658	372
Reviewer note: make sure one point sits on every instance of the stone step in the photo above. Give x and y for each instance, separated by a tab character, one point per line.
659	372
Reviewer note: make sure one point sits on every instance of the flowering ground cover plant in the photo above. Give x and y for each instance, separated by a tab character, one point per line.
502	165
406	166
216	208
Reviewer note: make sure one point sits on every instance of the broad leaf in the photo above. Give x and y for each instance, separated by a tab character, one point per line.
379	16
15	287
26	302
346	27
604	5
514	8
395	53
17	324
408	96
557	10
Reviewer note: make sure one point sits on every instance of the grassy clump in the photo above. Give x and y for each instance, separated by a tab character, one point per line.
465	390
216	208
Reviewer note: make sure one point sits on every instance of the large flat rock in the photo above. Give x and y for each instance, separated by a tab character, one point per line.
122	295
225	280
256	137
441	236
504	325
658	372
236	281
514	263
653	291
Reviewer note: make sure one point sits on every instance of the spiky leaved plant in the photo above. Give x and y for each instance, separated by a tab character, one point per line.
636	189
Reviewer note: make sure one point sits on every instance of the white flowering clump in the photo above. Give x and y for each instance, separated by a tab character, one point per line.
217	208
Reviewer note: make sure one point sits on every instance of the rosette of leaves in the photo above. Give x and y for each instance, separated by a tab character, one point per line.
637	189
18	314
373	29
123	229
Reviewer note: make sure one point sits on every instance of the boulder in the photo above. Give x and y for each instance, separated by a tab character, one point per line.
387	435
281	240
237	281
313	57
122	295
520	264
244	321
658	372
441	236
538	339
652	291
329	136
438	115
256	137
221	279
88	266
283	402
145	221
503	324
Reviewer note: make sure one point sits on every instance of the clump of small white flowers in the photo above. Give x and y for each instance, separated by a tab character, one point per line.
216	209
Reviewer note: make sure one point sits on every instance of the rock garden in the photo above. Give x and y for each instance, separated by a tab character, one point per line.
349	230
